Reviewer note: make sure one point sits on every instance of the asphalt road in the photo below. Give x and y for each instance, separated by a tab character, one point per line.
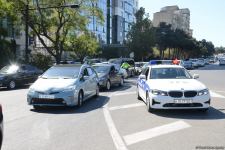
115	121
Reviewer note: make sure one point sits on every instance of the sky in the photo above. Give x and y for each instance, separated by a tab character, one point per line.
207	17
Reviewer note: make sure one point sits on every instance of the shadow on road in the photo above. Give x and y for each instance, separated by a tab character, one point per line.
21	87
89	105
211	114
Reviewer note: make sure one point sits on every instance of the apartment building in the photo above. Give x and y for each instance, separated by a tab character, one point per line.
177	18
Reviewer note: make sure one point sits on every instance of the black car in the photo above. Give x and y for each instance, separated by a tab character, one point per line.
1	126
108	75
13	75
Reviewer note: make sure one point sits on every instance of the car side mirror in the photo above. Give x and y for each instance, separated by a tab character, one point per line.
195	76
142	77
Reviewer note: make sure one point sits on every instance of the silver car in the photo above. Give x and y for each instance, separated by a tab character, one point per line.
64	85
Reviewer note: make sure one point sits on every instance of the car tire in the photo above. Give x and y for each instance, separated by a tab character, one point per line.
121	81
108	85
138	96
80	99
97	91
12	85
149	109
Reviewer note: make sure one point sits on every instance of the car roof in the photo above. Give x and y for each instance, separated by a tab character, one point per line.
165	66
71	65
103	64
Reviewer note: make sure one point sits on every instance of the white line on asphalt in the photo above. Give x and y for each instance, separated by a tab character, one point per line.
213	94
126	106
154	132
124	93
117	139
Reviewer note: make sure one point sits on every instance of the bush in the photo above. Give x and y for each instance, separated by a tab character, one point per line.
41	61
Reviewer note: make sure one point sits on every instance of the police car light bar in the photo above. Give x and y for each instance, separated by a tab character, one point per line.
164	62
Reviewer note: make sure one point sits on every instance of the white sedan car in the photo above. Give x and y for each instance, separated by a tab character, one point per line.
171	87
64	85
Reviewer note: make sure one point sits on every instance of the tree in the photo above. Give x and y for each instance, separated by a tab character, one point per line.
52	23
140	38
84	45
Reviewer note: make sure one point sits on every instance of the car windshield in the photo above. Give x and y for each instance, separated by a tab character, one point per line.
138	65
169	73
9	69
62	72
102	69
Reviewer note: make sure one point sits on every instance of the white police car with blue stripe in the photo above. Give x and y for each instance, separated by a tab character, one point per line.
171	87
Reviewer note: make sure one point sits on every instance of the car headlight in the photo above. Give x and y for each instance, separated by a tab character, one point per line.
158	92
203	92
31	91
69	88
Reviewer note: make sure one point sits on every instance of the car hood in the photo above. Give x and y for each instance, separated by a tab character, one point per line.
176	84
52	85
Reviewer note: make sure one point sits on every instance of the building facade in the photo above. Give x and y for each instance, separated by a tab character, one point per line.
118	15
177	18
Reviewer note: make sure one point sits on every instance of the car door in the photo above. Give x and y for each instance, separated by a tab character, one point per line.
22	76
93	81
85	79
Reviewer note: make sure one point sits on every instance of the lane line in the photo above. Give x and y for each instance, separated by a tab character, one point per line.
154	132
213	94
124	93
127	106
117	139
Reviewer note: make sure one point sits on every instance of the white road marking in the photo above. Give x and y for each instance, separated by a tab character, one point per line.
213	94
124	93
127	106
117	139
154	132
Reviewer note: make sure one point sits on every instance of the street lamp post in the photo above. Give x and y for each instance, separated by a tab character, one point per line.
27	19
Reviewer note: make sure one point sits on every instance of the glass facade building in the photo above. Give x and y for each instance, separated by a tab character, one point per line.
118	15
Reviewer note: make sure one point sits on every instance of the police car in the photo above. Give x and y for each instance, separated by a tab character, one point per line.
167	86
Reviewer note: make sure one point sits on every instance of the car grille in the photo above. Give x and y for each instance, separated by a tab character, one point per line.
47	101
176	94
190	93
183	105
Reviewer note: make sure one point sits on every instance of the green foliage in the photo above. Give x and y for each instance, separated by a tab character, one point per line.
41	61
6	55
83	45
220	49
54	25
140	38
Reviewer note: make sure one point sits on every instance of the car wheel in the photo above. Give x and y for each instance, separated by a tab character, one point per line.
80	99
108	85
149	109
121	81
138	96
12	85
97	91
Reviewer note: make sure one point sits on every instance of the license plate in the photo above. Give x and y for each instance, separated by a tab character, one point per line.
183	101
47	96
